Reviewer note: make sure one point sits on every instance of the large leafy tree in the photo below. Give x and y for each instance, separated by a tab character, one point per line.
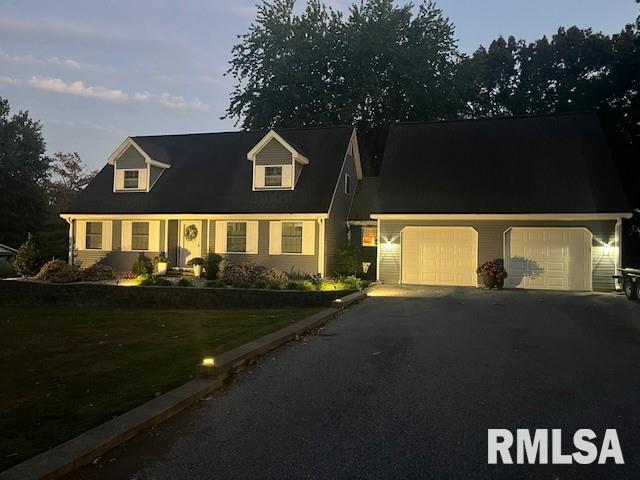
23	175
379	64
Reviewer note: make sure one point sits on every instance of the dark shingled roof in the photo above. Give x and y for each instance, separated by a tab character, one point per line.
210	173
537	164
366	199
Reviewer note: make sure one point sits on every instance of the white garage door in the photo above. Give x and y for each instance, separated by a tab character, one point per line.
548	258
439	256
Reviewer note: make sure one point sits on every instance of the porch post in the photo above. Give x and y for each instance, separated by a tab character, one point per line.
70	221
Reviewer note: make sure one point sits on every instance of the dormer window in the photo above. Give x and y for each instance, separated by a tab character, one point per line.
131	179
273	176
276	163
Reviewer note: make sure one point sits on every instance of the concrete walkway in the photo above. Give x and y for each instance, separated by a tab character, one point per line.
407	386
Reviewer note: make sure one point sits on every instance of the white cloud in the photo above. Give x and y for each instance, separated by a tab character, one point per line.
78	88
62	62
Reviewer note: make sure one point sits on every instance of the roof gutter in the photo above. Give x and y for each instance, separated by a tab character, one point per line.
501	216
193	216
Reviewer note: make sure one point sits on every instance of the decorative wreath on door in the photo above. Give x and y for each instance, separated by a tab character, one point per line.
191	232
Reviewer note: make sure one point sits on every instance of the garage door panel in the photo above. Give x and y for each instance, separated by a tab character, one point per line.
555	258
439	255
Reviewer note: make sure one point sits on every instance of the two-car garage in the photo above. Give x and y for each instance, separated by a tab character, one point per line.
553	258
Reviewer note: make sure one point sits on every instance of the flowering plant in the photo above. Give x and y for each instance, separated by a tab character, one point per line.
492	269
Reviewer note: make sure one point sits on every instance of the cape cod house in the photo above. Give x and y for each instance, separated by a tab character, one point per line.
540	194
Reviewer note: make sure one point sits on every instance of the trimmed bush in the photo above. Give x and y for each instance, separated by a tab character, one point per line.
239	274
212	266
218	283
274	277
57	271
96	273
183	282
154	281
6	269
28	260
142	266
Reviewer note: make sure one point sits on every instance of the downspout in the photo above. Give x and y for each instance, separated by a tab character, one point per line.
321	247
618	251
378	253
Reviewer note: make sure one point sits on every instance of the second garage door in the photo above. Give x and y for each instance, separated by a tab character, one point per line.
439	256
548	258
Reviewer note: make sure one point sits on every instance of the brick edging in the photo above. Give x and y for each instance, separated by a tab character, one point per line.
81	450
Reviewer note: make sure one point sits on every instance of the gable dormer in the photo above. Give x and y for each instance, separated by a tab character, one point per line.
277	165
133	169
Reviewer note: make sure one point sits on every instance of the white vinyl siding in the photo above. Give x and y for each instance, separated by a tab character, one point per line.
236	237
138	235
93	235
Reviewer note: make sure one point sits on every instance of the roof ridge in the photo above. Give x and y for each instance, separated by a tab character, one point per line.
500	117
318	127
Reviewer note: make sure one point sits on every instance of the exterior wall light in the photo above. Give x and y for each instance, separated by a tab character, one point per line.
607	249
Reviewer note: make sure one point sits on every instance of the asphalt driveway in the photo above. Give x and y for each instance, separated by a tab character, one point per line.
407	386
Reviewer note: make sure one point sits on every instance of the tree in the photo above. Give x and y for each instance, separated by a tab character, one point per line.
28	259
23	175
380	65
69	177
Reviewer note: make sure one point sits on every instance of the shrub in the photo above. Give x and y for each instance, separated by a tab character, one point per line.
142	266
6	269
260	284
183	282
239	273
57	271
28	261
242	284
96	273
294	286
129	275
156	281
492	269
349	260
218	283
212	266
274	277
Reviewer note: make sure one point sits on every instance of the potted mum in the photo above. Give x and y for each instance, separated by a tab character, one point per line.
161	264
493	274
197	264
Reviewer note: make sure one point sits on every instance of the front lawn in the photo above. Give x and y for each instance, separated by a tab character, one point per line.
66	369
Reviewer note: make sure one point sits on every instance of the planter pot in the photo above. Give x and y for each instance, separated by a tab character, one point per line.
500	283
162	268
489	281
197	270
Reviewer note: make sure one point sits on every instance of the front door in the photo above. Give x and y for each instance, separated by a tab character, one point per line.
190	237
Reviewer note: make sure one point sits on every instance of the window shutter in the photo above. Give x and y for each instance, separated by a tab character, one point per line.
259	173
286	175
221	237
275	238
107	235
252	237
126	236
81	237
119	179
309	237
154	236
142	180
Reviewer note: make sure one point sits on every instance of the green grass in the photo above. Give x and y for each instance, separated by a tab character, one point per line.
65	369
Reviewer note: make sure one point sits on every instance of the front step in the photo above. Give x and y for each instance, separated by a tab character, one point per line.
179	272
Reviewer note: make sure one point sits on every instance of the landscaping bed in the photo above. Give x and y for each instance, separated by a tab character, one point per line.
65	369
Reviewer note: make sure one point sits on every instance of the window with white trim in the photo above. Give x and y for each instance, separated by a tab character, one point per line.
273	176
93	236
369	236
347	184
291	237
140	235
237	237
131	179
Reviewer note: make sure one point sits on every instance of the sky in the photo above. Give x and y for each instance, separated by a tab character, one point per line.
94	72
